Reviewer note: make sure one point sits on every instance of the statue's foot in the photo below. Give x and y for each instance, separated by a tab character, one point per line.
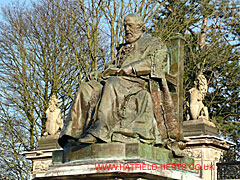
176	147
71	142
88	139
178	152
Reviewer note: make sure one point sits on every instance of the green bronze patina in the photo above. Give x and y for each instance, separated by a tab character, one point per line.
128	152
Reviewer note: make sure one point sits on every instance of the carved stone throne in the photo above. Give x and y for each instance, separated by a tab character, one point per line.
167	94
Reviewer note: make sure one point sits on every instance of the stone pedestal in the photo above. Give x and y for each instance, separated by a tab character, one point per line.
204	146
120	161
42	157
199	127
48	142
41	160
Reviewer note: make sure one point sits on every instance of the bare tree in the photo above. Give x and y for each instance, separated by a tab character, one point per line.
105	17
51	47
43	51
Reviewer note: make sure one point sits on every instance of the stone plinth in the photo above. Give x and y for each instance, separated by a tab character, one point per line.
49	142
206	151
42	157
87	170
128	161
199	127
41	160
105	151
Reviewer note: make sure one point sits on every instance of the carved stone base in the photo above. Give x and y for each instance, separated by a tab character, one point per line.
104	151
41	160
87	171
199	127
130	161
49	142
42	157
206	151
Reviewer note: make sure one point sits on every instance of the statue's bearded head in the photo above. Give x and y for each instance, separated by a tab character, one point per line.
133	28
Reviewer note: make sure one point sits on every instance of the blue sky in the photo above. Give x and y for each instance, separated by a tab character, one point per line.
6	2
3	2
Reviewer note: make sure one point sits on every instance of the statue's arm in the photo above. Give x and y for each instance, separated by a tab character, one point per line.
94	75
111	70
137	68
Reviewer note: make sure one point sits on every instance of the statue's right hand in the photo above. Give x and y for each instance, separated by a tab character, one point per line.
95	75
110	72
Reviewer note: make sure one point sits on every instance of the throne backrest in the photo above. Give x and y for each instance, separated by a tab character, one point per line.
167	91
175	73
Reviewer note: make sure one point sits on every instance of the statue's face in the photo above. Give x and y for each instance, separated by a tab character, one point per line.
133	30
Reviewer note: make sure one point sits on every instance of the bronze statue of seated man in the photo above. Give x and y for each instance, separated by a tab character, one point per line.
116	105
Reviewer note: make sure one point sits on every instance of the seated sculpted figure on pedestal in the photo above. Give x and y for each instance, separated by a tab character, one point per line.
197	95
117	105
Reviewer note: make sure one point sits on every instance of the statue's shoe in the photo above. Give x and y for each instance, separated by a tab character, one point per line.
176	147
88	139
71	142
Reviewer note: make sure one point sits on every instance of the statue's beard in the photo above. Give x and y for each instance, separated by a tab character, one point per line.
133	37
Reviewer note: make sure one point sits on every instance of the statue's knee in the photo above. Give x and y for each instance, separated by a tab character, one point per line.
84	88
90	86
112	81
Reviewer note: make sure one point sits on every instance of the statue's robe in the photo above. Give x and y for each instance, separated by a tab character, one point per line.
120	108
